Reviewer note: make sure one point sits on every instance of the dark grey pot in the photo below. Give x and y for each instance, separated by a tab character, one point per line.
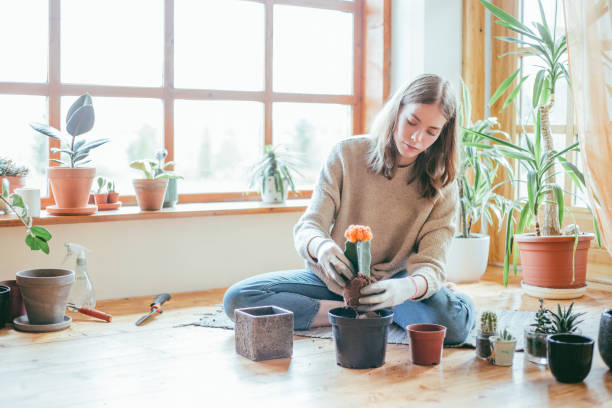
604	341
570	357
171	197
45	293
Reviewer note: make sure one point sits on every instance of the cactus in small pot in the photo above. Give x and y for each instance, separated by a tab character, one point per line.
357	250
113	196
502	348
488	327
100	196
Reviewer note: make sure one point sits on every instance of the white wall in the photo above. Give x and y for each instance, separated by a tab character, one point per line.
137	258
426	37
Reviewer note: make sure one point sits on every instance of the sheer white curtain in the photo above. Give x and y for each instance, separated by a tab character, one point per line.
589	36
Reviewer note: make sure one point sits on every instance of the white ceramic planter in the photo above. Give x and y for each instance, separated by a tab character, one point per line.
502	352
467	258
271	194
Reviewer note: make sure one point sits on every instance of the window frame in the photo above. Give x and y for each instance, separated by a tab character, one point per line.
363	11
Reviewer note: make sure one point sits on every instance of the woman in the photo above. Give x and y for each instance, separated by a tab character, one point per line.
399	181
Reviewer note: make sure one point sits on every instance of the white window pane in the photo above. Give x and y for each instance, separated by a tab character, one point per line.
215	144
24	40
20	142
112	42
135	127
313	50
312	130
531	14
219	44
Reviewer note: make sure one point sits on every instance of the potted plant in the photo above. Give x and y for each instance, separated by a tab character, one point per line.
488	328
44	291
151	189
70	182
554	264
564	321
360	338
478	168
502	348
113	196
273	174
171	197
100	196
14	174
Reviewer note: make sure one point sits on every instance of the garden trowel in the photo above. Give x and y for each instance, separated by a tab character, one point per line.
155	307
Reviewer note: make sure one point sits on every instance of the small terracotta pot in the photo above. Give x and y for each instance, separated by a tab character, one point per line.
113	197
101	198
426	341
150	193
71	186
92	199
547	261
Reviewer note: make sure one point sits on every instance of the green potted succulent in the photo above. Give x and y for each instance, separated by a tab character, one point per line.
151	189
502	348
273	174
479	161
113	195
552	262
14	173
71	182
488	328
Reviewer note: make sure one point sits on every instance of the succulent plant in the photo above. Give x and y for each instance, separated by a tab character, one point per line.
79	120
506	335
488	322
101	182
542	319
9	168
564	321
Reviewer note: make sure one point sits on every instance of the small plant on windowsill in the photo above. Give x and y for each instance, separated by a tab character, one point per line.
274	173
14	173
38	237
151	189
113	196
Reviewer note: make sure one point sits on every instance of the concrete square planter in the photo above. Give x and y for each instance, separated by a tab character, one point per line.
264	333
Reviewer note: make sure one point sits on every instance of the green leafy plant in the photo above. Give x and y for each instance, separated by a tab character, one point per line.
9	168
101	182
38	237
488	322
564	321
479	162
79	120
276	163
542	320
156	169
506	335
548	44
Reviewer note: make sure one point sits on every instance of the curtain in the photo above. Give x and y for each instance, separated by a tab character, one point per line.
589	38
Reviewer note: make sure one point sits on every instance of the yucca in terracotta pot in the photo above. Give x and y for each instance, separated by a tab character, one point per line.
151	189
71	182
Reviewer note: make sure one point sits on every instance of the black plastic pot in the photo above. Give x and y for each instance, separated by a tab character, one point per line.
570	357
360	343
605	337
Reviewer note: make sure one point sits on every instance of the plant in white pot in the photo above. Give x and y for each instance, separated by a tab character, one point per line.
554	264
151	189
273	174
70	182
44	291
469	252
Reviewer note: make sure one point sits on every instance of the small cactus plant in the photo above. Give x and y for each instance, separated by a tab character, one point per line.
357	250
488	322
506	335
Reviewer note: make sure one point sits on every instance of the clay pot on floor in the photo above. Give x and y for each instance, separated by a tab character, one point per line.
71	186
14	182
570	357
547	261
502	351
604	340
150	193
45	294
360	343
426	342
16	306
264	332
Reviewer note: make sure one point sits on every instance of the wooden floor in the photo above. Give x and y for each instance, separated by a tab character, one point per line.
98	364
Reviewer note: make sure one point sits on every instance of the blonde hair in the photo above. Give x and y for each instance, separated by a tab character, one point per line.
435	167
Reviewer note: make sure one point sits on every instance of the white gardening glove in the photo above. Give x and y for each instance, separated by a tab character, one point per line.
334	263
386	294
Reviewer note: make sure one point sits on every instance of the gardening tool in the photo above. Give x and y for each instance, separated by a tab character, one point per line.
155	307
98	314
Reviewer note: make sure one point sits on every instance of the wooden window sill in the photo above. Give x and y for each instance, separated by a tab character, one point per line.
180	211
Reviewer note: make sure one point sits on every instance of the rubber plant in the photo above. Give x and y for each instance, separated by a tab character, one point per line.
357	250
38	237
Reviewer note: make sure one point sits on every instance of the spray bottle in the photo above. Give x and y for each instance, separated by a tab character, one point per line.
82	291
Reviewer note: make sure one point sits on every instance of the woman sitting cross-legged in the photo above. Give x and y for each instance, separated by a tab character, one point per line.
400	181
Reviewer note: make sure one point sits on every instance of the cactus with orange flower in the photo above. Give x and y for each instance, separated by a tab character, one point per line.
357	250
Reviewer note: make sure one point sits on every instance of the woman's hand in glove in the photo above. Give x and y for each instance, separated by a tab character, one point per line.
386	294
334	263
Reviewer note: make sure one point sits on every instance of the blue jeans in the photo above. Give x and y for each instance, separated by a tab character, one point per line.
301	290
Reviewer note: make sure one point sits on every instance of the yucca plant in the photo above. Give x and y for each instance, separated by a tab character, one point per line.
564	321
277	163
549	45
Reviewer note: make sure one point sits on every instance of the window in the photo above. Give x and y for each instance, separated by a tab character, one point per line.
212	81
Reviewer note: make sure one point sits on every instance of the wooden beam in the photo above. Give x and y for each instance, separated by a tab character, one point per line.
473	61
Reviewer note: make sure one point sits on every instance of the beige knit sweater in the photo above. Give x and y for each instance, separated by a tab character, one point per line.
409	231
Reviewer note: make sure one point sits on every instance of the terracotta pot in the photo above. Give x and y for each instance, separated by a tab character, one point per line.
547	261
101	198
45	293
71	186
14	182
426	341
150	193
113	197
